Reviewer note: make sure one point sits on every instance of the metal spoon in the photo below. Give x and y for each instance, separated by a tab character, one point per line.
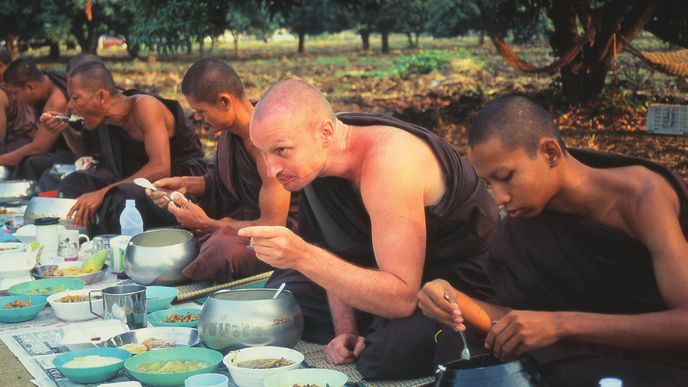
465	353
145	183
279	290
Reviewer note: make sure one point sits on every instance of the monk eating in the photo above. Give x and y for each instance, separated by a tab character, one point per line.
384	206
44	91
136	135
590	266
236	191
17	119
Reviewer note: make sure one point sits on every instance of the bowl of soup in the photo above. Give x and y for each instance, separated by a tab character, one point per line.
171	366
251	366
91	365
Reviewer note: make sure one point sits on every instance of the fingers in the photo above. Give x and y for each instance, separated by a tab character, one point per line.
165	183
360	347
261	231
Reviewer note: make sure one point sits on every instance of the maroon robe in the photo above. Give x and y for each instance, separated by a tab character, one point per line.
20	123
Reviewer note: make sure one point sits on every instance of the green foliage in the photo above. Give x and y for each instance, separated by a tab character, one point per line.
418	64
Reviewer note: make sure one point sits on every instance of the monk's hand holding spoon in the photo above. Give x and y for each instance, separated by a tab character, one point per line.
276	245
166	186
434	304
346	348
188	213
520	331
50	121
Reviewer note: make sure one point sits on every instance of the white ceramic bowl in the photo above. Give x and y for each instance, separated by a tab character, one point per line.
75	311
248	377
307	376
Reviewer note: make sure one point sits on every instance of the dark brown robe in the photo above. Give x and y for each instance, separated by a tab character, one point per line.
232	187
564	262
120	156
332	215
20	123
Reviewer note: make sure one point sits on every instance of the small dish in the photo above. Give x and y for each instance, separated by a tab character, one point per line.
159	297
254	377
306	377
91	374
25	313
158	319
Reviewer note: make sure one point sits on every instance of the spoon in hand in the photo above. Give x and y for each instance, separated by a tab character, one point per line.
145	183
465	353
279	290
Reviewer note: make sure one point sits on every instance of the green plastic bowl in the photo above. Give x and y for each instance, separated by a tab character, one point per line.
92	374
15	315
46	287
159	297
157	319
159	379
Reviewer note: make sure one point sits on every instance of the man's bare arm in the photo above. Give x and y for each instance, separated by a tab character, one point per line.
42	143
3	116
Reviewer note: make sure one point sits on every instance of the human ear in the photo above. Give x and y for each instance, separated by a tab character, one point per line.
551	150
224	101
101	96
327	130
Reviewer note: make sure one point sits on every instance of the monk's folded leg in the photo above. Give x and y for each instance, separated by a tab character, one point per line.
224	257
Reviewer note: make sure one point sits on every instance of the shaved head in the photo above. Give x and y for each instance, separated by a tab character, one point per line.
517	121
81	58
209	77
22	71
295	100
95	76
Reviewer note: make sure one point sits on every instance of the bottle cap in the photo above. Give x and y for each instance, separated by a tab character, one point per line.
610	382
131	202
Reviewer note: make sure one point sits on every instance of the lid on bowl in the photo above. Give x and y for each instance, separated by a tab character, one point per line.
46	221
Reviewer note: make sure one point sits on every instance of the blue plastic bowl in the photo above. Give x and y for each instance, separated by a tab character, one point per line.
159	297
213	358
92	374
15	315
46	287
157	319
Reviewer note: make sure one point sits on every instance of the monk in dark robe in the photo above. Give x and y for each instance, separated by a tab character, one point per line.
386	205
235	192
43	91
18	123
590	267
137	135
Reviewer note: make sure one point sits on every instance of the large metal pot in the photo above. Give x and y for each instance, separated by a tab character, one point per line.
234	319
157	257
16	191
39	207
483	370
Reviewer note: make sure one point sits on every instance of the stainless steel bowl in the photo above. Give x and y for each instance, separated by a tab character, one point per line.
90	278
16	191
184	337
157	257
39	207
4	173
241	318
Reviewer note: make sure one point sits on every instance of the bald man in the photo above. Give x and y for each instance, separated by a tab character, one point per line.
43	91
236	192
386	206
138	135
593	251
18	124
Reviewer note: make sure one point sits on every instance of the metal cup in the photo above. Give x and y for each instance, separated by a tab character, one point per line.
126	303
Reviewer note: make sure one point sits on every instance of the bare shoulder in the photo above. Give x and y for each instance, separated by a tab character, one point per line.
4	99
145	105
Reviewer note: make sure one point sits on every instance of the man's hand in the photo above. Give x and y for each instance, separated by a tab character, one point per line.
86	206
344	349
53	124
168	185
520	331
189	214
276	245
434	304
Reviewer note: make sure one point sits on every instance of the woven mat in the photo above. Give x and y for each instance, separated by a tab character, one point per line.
200	289
315	357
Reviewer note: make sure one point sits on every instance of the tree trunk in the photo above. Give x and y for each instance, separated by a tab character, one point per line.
417	36
54	50
189	47
410	39
385	42
235	35
302	42
132	48
365	39
213	40
482	37
200	44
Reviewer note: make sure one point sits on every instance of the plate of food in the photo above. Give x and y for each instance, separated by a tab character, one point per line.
20	308
175	317
70	270
46	287
147	339
171	366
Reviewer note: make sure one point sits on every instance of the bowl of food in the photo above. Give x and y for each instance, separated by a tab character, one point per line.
46	287
171	366
15	309
91	365
313	377
175	317
16	191
159	297
69	270
250	366
73	305
157	257
146	339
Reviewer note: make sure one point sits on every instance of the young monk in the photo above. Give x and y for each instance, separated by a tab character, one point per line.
43	91
593	250
236	192
385	206
138	135
17	120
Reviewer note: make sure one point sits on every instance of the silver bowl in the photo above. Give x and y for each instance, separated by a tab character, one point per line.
4	173
90	278
241	318
16	191
184	337
157	257
39	207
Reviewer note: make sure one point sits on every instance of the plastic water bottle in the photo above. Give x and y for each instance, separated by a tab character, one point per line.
130	221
